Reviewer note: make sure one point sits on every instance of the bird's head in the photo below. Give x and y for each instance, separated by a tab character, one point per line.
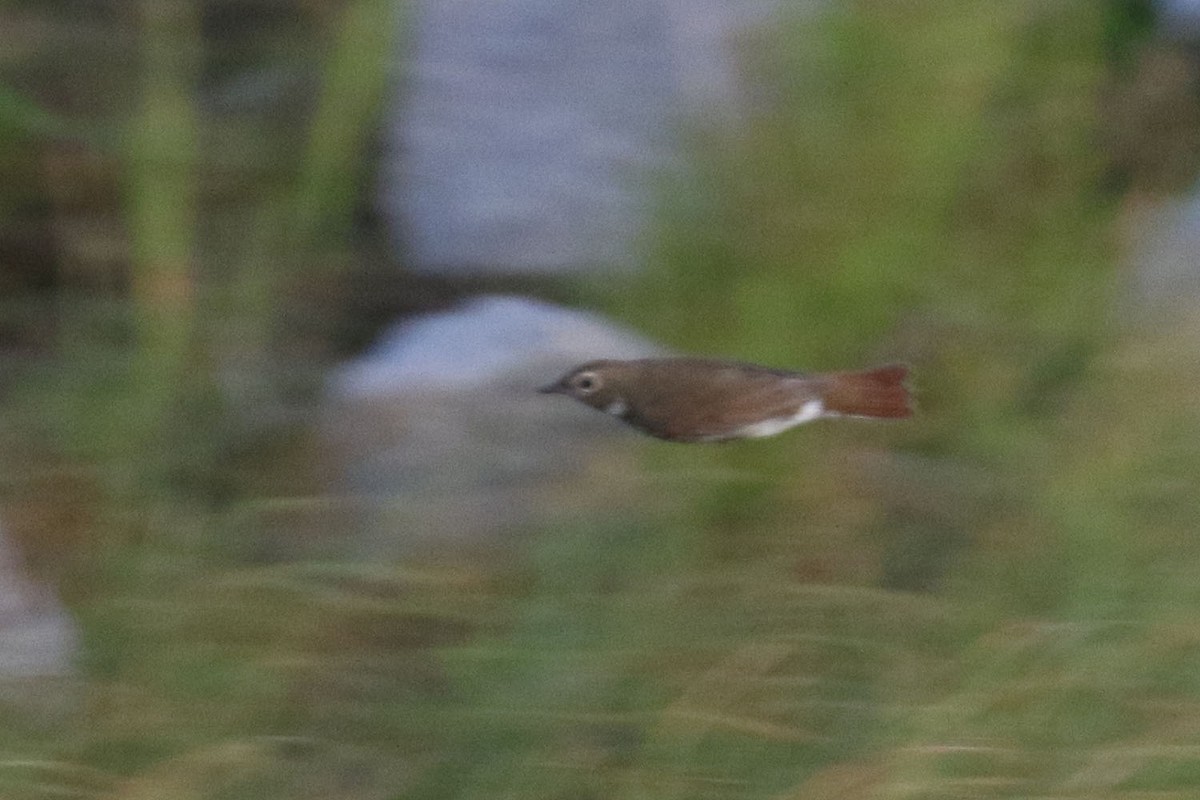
597	383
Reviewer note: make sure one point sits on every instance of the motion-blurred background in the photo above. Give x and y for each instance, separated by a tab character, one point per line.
281	516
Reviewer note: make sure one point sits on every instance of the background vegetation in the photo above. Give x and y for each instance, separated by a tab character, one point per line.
998	600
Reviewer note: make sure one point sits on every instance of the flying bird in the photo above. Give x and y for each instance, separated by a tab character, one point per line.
712	400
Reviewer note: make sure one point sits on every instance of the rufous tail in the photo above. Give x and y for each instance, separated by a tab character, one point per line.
878	392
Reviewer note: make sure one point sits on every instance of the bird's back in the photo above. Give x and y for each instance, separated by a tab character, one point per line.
693	399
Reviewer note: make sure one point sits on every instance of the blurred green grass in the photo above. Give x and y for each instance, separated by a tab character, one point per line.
996	600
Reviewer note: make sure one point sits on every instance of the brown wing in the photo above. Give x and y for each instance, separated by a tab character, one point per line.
712	400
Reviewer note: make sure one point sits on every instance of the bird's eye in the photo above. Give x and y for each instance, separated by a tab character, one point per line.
586	382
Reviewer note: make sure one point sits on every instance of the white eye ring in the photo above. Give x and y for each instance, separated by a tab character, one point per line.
586	382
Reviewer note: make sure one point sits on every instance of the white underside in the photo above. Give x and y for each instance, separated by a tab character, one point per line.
813	409
617	408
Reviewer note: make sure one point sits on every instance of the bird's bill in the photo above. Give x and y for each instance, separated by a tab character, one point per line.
553	388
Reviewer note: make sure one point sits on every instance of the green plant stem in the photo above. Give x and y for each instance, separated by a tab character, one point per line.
162	153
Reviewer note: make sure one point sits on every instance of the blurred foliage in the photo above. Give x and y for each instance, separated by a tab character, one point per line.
887	177
996	600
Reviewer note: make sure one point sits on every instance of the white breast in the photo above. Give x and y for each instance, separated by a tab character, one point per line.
617	408
811	410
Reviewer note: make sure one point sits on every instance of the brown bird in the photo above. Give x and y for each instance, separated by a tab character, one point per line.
710	400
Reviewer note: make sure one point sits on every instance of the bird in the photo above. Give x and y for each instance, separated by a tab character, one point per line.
689	399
